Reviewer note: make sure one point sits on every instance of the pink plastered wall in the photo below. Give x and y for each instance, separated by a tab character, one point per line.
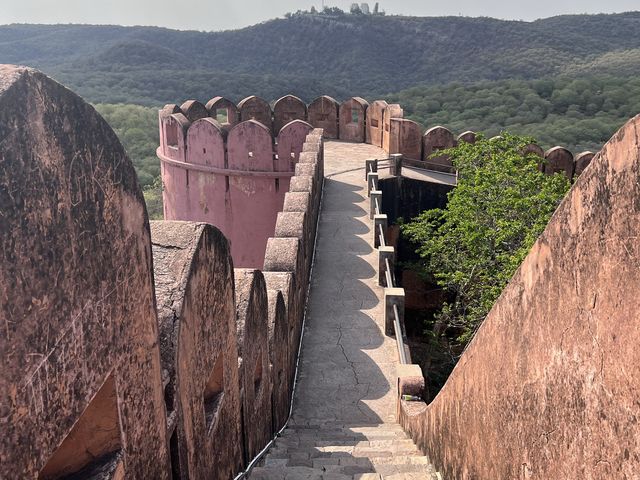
230	181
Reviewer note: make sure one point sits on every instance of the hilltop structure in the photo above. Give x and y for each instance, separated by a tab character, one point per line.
133	350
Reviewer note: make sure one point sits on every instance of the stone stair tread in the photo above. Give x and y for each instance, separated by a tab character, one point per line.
364	452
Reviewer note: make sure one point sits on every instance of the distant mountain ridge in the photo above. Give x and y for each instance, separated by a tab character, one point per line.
342	56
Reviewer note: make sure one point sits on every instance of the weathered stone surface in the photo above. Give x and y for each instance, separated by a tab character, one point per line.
282	255
582	161
559	160
434	140
467	137
297	202
224	111
290	141
392	111
288	109
556	365
352	120
323	113
194	286
80	382
253	360
279	358
405	137
375	122
255	108
285	283
194	110
291	224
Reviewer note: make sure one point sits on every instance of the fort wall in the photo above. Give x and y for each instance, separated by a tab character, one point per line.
548	387
212	171
137	351
80	333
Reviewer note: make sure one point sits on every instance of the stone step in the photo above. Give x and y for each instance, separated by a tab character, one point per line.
365	452
296	442
346	472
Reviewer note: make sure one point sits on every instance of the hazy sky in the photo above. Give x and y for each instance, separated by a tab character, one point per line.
225	14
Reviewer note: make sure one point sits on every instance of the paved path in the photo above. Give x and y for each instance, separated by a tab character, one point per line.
348	364
343	424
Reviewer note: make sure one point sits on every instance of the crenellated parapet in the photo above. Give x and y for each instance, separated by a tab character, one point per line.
80	383
130	350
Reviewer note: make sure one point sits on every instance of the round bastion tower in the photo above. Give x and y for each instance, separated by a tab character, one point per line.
223	164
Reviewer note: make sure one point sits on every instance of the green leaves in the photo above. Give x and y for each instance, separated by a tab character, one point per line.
473	247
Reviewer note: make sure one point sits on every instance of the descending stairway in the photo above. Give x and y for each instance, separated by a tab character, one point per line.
345	452
343	424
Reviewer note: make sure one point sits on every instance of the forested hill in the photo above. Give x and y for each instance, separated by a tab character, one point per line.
341	55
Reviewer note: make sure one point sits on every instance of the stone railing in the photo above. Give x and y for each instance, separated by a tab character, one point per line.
393	296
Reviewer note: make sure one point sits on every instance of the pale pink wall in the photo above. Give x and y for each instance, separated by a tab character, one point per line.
255	201
290	141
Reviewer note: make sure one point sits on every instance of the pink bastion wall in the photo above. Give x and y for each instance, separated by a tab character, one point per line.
234	180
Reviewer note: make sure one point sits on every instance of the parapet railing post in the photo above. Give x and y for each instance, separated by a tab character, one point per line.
396	164
375	201
386	256
371	166
372	182
379	230
393	297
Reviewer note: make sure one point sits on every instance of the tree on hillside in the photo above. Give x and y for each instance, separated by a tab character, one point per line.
473	246
376	8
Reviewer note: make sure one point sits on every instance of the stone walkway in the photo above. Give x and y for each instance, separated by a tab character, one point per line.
343	424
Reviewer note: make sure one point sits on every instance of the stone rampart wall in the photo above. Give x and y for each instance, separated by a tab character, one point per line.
130	350
549	386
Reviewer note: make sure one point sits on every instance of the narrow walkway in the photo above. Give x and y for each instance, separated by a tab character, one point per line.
343	424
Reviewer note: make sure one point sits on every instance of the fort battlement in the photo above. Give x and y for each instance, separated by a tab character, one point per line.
221	159
135	350
138	350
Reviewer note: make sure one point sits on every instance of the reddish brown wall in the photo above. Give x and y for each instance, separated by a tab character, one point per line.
549	387
405	138
287	109
353	109
253	360
375	122
436	139
195	295
392	111
278	358
323	113
76	292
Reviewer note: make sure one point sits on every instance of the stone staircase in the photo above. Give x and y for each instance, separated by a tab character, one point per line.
344	452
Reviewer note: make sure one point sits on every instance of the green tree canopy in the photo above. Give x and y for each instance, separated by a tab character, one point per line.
473	247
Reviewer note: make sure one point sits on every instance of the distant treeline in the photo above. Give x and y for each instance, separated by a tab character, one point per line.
580	114
339	55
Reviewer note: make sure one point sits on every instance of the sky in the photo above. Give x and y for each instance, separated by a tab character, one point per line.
230	14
